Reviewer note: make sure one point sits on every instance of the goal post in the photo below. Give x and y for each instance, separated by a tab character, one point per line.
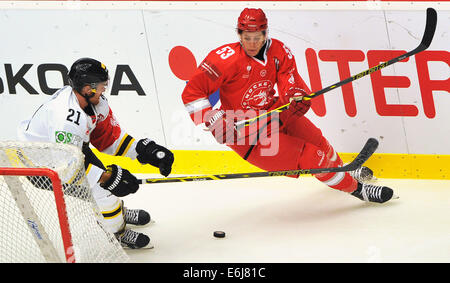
48	212
24	206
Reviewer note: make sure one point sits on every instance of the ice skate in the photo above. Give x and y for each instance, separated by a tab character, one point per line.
134	240
137	217
372	193
363	174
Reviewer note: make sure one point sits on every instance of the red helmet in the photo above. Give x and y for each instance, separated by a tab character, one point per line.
252	20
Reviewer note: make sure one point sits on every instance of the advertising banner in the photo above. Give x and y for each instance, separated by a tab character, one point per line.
152	48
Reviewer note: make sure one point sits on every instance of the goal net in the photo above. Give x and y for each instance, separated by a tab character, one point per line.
47	210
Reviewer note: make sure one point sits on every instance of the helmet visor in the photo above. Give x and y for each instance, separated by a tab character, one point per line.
99	86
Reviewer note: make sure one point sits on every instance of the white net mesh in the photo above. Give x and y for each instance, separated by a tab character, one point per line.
29	224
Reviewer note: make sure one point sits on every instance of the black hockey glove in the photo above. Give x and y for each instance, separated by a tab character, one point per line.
121	182
150	152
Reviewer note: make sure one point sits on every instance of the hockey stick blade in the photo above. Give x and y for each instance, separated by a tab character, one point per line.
430	28
367	151
369	148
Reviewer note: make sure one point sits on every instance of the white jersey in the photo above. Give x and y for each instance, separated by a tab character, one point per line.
61	120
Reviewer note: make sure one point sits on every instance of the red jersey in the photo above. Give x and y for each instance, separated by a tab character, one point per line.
245	82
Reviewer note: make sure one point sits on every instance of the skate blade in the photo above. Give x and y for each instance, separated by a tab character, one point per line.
141	226
148	247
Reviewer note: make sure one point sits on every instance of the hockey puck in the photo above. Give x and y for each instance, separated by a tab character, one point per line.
219	234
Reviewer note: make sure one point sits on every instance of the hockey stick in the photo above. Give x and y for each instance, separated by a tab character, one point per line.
430	28
367	151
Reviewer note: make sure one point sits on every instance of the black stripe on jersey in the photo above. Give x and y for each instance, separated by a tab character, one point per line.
113	213
124	145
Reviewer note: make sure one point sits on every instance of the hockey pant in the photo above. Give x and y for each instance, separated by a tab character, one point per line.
111	207
297	145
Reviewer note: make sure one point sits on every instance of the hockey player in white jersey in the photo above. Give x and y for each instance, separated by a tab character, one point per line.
79	114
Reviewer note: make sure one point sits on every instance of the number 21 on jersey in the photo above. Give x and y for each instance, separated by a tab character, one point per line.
225	52
71	117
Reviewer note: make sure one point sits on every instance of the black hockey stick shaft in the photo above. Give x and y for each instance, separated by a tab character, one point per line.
367	151
430	28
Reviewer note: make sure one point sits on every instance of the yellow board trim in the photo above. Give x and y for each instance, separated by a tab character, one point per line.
384	165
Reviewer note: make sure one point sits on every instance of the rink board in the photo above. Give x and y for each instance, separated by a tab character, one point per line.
384	165
404	106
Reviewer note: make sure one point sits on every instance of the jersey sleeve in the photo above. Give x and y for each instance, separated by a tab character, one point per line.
108	136
287	74
208	77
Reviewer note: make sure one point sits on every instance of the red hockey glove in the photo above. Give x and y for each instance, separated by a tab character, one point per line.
222	128
298	107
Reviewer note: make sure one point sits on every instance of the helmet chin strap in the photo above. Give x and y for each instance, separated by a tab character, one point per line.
89	96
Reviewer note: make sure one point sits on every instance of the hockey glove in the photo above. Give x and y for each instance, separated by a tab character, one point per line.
221	128
297	107
121	182
150	152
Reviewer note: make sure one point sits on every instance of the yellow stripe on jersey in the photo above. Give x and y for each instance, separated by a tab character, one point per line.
124	145
113	213
128	147
88	168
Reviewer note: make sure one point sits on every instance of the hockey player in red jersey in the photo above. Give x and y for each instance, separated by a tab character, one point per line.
246	73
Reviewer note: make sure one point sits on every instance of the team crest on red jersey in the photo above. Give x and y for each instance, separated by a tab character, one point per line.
258	95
